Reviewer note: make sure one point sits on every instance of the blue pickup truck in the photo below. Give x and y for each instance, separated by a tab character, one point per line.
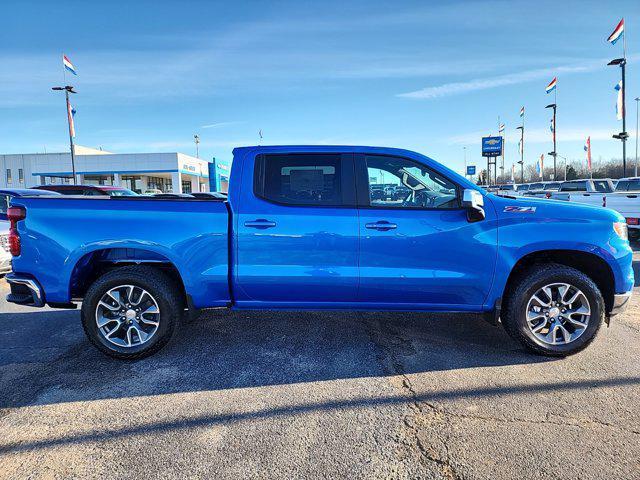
301	230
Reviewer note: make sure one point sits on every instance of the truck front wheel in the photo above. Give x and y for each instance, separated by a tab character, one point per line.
131	312
553	310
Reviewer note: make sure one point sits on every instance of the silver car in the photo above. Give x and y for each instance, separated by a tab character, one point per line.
5	256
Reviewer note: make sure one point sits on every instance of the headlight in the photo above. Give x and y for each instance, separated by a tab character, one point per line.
621	230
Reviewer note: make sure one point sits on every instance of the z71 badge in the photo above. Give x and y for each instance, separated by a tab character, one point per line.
513	209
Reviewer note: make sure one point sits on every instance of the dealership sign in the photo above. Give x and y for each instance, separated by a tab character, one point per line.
491	146
471	169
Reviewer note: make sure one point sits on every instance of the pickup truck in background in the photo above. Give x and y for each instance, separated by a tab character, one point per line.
624	198
542	189
626	201
303	228
588	191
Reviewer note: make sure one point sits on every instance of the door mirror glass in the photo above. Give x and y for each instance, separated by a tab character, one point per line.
473	201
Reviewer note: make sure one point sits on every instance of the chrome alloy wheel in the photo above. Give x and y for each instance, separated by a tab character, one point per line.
127	316
558	313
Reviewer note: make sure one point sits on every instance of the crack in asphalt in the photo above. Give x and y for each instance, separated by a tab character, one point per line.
388	343
392	346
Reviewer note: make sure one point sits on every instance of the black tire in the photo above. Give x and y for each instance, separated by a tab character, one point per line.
527	284
161	287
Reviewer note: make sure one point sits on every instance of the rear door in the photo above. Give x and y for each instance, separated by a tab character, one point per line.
419	250
297	231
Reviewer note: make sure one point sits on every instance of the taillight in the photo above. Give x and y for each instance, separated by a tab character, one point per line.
548	195
15	214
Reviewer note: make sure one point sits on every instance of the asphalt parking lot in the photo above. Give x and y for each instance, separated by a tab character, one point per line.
310	395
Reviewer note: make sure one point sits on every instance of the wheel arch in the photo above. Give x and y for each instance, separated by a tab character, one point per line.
592	265
95	263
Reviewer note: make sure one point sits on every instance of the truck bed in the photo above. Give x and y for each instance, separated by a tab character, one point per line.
65	234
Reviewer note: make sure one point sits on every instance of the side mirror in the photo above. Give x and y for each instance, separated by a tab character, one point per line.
473	201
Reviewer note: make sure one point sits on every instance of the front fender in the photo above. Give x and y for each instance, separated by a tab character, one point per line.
577	235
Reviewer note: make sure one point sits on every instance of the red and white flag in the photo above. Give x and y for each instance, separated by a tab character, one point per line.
70	113
587	149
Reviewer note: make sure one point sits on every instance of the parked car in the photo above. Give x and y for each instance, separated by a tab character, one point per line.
601	193
5	256
151	191
586	190
6	194
298	233
508	189
173	195
376	192
89	190
208	195
629	184
542	189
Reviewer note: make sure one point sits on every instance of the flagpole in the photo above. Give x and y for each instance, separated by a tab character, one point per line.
522	148
73	155
69	89
555	134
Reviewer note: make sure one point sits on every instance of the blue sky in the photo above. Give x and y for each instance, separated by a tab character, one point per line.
428	76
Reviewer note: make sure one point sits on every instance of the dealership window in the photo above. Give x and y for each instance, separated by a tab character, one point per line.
305	179
398	182
9	180
99	179
20	175
186	187
159	183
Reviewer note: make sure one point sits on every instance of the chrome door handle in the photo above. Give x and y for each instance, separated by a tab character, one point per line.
381	225
260	223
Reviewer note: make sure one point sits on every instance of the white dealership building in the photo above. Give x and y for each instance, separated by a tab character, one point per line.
169	172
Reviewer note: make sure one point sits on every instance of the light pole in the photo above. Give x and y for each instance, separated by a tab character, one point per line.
67	90
521	162
635	170
465	161
565	167
196	139
623	135
554	154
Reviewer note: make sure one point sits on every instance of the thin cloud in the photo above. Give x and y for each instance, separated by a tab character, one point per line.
220	124
457	88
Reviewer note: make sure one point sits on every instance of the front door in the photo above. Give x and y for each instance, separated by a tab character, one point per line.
297	225
417	248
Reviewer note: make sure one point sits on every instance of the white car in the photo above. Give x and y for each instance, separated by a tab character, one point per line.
5	256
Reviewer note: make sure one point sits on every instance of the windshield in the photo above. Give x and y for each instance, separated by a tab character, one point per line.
121	193
536	186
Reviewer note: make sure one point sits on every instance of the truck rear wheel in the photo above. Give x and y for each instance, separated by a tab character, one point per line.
553	310
131	312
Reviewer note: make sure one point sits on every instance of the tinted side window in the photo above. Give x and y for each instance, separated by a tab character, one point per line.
574	187
622	186
300	179
401	183
634	185
602	186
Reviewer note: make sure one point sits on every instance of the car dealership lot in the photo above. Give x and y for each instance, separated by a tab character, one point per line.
317	395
